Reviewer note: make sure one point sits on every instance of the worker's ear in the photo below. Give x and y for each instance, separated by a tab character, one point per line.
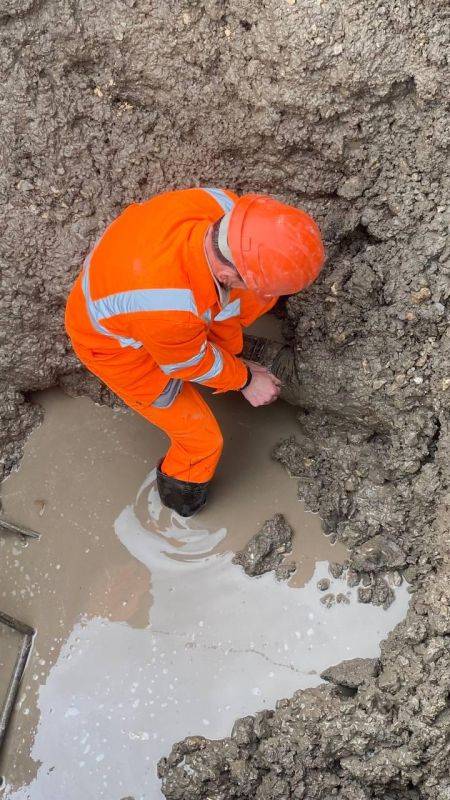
226	275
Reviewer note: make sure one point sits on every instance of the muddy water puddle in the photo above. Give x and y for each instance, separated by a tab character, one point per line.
146	630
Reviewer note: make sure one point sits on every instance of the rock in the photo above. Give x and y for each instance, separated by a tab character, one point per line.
351	673
421	296
411	574
328	600
335	569
323	584
378	553
243	730
25	186
352	578
365	594
284	571
267	549
382	593
397	578
342	598
351	188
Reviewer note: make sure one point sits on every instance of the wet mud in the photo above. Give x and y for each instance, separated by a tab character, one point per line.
352	672
340	108
267	549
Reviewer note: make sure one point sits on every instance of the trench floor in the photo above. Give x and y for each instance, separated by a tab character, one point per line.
146	632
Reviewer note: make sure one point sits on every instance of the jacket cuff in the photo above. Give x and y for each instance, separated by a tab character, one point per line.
249	377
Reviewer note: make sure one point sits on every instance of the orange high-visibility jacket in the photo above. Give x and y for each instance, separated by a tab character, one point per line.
146	287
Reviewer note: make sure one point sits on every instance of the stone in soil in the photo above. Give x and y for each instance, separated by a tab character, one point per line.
266	550
351	673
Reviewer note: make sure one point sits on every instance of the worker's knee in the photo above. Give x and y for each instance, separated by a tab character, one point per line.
215	439
196	458
219	443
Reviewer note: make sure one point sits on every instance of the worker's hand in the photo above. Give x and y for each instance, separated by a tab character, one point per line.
263	389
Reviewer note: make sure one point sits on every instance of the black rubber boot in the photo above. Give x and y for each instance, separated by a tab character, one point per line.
183	497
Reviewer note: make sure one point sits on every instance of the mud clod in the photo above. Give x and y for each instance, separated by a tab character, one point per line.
353	578
328	600
376	553
365	594
382	594
266	550
336	569
352	673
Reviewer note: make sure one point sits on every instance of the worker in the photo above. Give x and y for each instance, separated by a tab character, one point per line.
159	307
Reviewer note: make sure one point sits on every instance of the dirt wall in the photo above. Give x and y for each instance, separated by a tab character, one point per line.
336	107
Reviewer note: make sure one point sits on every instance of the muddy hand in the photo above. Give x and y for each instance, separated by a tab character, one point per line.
263	389
255	367
279	360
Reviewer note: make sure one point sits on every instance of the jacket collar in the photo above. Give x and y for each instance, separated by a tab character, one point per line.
207	291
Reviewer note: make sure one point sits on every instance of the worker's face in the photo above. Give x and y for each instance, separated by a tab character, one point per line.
228	275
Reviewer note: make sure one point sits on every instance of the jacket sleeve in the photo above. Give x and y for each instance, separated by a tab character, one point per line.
252	307
182	350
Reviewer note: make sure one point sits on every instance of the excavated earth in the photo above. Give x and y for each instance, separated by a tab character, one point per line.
337	107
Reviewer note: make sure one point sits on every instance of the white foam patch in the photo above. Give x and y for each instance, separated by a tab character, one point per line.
219	645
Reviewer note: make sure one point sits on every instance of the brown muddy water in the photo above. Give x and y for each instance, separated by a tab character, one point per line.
146	632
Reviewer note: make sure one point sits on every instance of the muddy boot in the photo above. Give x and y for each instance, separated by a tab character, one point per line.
184	497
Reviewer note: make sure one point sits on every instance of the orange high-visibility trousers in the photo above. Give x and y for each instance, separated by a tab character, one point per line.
195	438
196	441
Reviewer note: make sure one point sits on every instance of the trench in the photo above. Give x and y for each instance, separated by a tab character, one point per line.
146	630
340	108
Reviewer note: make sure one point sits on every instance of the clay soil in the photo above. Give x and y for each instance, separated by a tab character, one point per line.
336	107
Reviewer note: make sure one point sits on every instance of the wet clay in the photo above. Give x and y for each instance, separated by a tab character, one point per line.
351	673
266	550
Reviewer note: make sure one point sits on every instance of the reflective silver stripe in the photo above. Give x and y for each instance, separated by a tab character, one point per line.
225	202
206	316
144	300
222	239
233	309
215	370
132	301
90	304
191	362
170	393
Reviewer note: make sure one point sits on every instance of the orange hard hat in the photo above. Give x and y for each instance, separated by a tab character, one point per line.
277	249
